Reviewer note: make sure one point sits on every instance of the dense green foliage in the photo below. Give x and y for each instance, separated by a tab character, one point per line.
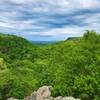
72	67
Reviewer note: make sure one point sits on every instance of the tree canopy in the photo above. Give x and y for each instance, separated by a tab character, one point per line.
72	67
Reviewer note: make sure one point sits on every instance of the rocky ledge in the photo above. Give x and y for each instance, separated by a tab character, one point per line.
44	93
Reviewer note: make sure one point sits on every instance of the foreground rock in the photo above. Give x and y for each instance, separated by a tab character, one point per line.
11	99
65	98
44	93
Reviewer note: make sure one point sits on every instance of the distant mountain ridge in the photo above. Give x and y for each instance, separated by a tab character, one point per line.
43	42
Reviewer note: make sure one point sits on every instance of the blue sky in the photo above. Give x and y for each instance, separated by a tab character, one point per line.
49	20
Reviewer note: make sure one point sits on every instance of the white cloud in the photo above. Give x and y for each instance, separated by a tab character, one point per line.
42	17
6	25
21	1
90	3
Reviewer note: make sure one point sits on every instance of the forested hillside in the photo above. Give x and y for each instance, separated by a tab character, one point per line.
71	67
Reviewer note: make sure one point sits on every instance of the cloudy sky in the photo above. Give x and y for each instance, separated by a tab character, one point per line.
46	20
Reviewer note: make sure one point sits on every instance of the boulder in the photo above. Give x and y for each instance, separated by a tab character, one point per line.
58	98
44	93
12	99
65	98
69	98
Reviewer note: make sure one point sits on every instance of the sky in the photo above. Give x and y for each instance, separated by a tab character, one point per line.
49	20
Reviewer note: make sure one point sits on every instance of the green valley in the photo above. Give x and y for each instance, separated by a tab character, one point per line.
71	67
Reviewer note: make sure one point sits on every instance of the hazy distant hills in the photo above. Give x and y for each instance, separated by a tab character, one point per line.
52	42
43	42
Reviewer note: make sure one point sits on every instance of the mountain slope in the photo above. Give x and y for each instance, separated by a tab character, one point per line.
16	47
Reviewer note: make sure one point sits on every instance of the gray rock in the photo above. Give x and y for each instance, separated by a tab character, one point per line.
44	93
58	98
11	99
28	98
65	98
68	98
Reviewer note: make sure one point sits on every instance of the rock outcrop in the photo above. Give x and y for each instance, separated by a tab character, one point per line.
44	93
11	99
